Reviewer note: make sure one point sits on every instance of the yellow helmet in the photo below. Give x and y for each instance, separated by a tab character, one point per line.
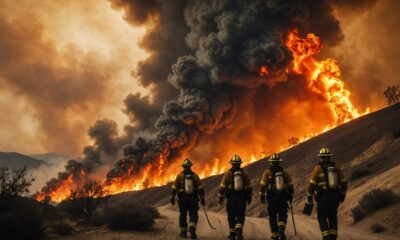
236	160
187	163
275	158
324	152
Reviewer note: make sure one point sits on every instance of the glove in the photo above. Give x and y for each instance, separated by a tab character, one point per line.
262	199
248	200
290	198
202	202
172	200
221	200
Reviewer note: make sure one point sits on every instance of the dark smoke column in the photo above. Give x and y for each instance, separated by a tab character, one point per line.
230	41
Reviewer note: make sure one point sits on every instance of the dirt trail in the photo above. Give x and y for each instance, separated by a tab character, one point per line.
255	228
258	228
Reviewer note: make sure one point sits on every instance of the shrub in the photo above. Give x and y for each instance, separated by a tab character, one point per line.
62	227
22	220
392	93
372	201
83	201
13	183
377	228
129	215
293	141
359	173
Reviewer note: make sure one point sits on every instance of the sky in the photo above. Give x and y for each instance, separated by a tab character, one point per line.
66	64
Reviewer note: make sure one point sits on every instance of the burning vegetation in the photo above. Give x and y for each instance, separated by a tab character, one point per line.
243	81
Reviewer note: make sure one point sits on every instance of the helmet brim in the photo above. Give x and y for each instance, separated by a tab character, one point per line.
187	165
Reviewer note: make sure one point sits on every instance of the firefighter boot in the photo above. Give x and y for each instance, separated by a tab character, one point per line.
239	234
183	234
281	232
192	231
232	235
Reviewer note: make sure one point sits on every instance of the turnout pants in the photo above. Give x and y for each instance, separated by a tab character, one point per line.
327	206
236	209
188	204
277	210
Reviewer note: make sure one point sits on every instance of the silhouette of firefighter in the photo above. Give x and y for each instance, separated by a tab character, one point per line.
328	186
276	189
236	187
189	189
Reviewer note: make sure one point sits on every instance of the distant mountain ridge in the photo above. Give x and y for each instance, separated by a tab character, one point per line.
18	160
52	158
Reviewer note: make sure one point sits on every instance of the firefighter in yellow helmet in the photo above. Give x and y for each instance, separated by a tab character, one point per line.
236	187
189	189
328	185
277	188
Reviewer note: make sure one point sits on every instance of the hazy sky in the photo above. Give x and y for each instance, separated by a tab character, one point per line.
65	64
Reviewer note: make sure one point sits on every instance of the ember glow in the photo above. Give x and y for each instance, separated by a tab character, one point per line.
322	78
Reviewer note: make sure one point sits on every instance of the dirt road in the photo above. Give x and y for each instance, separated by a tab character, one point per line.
255	228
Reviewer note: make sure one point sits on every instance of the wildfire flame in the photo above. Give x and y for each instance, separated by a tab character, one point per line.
322	78
63	189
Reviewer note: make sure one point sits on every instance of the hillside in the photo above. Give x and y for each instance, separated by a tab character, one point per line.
18	160
52	158
371	142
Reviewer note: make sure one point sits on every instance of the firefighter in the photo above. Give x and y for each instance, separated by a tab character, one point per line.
328	186
276	189
236	187
189	189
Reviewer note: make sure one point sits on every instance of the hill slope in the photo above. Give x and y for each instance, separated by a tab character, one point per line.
17	160
52	158
371	142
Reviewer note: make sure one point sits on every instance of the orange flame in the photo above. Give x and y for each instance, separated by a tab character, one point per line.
322	76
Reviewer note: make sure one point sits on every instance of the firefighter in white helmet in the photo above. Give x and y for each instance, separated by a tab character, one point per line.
236	187
328	185
277	188
189	189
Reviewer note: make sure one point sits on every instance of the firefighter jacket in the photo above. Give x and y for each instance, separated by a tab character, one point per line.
319	180
227	184
178	187
267	184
